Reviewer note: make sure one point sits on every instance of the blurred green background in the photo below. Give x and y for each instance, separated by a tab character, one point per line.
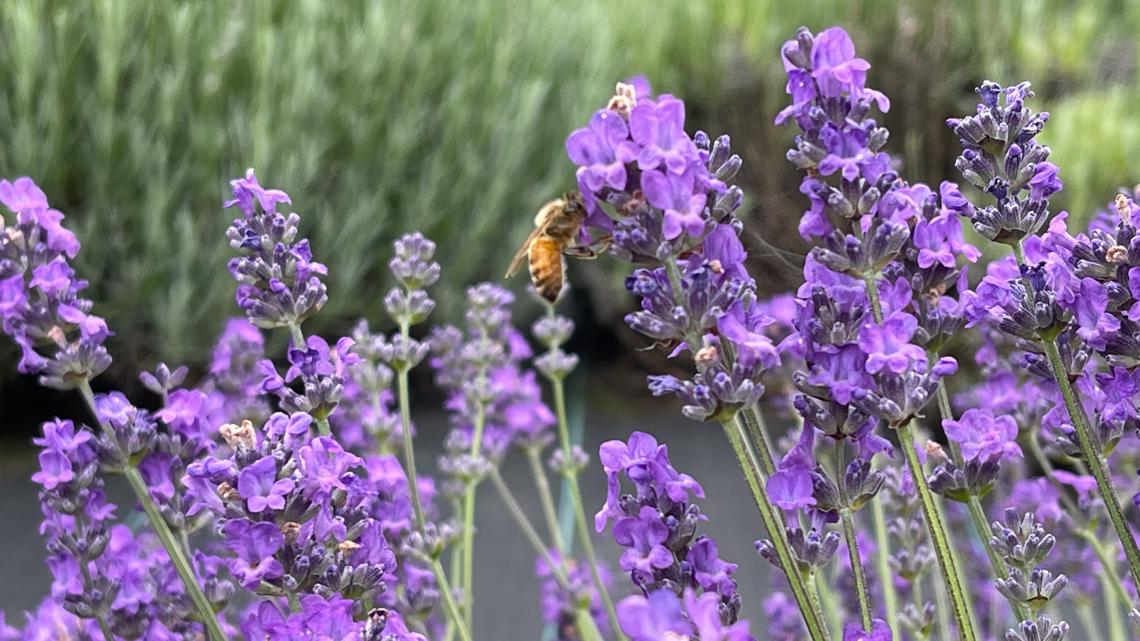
449	117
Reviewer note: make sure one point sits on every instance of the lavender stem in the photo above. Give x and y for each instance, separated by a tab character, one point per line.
177	558
545	497
571	476
939	538
852	543
404	401
1095	461
468	542
527	528
774	525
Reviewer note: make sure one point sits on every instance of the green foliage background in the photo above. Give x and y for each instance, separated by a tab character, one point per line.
449	116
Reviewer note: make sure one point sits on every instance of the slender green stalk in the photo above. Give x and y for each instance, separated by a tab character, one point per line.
939	538
857	568
451	610
295	332
878	512
1093	458
161	528
546	498
583	528
883	565
1115	588
1115	623
825	603
1088	618
941	608
809	608
468	543
757	430
527	528
449	605
852	542
587	628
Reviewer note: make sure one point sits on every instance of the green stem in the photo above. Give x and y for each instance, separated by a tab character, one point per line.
161	528
528	530
583	528
449	605
775	527
939	538
180	562
1108	569
546	498
405	403
1088	618
1093	458
1115	623
468	541
754	422
857	568
852	542
587	628
878	514
824	602
298	336
883	566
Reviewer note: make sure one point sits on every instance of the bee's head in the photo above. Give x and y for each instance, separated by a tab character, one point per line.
573	202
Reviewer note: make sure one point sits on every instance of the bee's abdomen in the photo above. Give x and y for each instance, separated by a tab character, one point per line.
546	267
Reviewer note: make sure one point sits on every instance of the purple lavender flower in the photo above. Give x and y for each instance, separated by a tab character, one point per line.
40	304
259	486
255	545
980	434
657	527
279	283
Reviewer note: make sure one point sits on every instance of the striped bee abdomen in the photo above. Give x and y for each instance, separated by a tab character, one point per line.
546	267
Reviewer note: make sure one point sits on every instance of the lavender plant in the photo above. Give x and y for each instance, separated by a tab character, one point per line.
283	498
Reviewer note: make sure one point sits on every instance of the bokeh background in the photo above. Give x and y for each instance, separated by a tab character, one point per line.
449	117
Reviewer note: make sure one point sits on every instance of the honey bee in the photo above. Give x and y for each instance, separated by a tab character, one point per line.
555	235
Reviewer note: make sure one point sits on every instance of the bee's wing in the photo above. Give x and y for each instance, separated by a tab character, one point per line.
520	256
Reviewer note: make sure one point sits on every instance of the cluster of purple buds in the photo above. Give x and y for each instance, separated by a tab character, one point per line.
77	521
848	180
279	283
1023	544
560	605
657	526
321	370
408	303
985	442
234	378
669	202
665	189
1002	158
295	512
40	304
365	418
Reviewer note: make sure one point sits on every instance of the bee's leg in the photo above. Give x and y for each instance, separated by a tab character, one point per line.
591	251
